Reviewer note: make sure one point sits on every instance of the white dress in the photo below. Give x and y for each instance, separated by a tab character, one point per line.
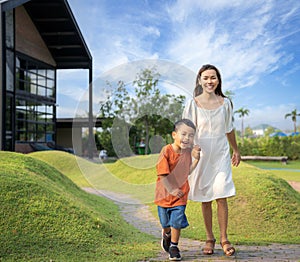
212	177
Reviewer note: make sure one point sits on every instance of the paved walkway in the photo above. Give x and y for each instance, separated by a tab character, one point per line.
140	217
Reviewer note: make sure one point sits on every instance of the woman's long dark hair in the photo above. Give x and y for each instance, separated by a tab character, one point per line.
198	88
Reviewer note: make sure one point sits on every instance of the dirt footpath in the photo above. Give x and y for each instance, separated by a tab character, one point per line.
140	217
295	185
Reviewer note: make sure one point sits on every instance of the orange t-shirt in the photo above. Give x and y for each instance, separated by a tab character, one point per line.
176	167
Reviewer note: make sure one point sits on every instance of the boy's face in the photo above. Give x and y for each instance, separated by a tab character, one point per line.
184	136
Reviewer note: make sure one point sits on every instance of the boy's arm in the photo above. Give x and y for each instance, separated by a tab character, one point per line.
170	188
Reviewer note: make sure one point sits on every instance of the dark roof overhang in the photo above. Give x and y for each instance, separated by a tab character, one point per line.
58	28
77	122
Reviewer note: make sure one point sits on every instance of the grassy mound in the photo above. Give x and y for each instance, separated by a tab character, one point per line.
266	208
134	176
45	216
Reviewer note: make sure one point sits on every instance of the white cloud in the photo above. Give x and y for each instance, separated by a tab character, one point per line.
246	40
239	44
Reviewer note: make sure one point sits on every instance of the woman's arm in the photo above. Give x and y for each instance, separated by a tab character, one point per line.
196	155
236	157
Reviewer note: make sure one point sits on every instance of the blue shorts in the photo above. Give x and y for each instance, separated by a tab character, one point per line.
172	217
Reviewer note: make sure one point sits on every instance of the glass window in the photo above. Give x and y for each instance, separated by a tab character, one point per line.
50	110
35	105
33	89
21	136
32	78
50	83
31	137
41	91
31	127
50	128
41	81
34	121
51	73
42	72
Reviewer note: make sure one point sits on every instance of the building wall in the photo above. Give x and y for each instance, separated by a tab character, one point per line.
66	136
28	39
258	132
1	87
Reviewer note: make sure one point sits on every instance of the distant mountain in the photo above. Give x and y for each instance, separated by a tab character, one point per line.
263	127
259	130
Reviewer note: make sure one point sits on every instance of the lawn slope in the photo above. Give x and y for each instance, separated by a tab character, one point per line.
266	209
45	216
133	176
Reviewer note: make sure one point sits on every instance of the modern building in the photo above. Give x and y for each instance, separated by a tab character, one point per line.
38	37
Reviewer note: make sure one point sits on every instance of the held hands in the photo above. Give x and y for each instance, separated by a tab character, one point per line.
196	152
177	193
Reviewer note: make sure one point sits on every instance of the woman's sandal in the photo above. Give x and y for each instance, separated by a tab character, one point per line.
209	247
228	251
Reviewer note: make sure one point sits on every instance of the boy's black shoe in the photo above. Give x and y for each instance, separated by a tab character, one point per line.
166	241
174	254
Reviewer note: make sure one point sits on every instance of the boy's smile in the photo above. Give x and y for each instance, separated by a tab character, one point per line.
183	138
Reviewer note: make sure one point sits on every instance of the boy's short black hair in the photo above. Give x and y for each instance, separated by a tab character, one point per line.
184	121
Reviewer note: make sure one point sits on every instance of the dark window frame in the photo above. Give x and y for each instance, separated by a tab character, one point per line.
35	110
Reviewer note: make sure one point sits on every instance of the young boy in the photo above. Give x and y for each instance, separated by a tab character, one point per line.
171	194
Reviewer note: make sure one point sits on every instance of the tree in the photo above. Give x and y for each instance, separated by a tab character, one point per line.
242	112
155	112
147	98
230	94
269	131
116	106
143	113
293	115
248	131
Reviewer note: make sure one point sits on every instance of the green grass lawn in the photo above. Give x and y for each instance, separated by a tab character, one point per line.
266	208
45	216
289	172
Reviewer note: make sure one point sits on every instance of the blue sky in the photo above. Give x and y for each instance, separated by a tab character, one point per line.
255	44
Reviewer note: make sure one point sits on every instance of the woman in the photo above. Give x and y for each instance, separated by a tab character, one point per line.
211	111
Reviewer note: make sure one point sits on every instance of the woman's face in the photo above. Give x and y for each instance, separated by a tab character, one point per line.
209	81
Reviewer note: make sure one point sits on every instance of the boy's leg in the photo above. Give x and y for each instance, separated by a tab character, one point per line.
166	239
178	221
174	253
166	230
175	235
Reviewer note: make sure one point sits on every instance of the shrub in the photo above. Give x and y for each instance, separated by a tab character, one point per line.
271	146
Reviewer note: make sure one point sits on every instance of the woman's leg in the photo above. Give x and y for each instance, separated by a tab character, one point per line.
210	239
222	218
223	223
207	216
